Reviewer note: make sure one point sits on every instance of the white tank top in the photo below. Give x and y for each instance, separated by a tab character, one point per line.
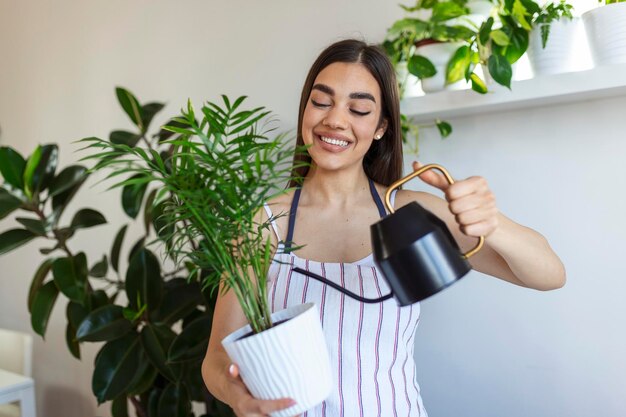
370	345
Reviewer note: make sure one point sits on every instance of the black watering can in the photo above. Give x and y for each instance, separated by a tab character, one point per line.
414	250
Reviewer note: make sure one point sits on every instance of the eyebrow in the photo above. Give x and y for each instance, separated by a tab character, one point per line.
359	96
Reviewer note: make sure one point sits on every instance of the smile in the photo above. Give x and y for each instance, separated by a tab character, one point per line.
337	142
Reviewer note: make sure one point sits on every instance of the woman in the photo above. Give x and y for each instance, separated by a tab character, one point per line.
349	115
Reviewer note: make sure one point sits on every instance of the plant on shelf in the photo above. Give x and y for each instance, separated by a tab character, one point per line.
154	343
604	27
548	14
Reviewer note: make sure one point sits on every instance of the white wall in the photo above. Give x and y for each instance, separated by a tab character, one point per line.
485	348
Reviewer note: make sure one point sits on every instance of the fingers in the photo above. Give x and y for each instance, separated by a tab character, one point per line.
474	206
245	405
431	177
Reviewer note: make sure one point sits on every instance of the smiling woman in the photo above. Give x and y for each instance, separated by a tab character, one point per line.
349	118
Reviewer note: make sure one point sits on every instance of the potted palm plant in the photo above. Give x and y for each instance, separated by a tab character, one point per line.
217	175
605	32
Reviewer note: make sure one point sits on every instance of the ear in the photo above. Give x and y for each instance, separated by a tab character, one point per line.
381	130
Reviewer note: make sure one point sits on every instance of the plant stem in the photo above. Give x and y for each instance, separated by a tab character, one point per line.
139	408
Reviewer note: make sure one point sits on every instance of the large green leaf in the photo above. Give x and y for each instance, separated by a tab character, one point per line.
99	298
70	276
122	137
174	402
500	70
87	218
29	170
156	340
421	67
478	85
12	166
43	303
192	342
179	299
14	238
132	197
116	364
104	324
70	339
117	245
37	282
8	203
458	64
119	406
144	378
36	226
148	111
68	178
75	313
144	284
130	105
447	10
44	172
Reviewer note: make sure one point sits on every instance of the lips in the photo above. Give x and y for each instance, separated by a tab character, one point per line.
330	146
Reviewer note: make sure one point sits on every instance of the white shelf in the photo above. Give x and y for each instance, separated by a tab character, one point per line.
596	83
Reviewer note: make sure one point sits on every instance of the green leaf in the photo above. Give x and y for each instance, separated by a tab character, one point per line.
75	314
192	342
458	64
36	226
37	282
99	298
500	38
68	178
12	166
485	30
104	324
144	378
174	402
87	218
119	406
421	67
148	111
70	276
478	85
42	307
29	170
144	284
70	339
521	15
130	105
447	10
44	172
100	269
8	203
179	299
14	238
122	137
116	364
117	245
156	340
500	70
147	211
444	128
132	197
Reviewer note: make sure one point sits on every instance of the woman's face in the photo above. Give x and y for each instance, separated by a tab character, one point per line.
341	116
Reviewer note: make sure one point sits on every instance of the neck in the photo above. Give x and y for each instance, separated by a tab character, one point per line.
334	188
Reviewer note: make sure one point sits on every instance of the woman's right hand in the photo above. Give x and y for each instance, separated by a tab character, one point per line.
245	405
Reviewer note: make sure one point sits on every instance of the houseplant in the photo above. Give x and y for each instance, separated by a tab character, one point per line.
556	56
604	26
154	343
213	183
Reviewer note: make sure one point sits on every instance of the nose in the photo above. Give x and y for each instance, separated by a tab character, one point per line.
335	119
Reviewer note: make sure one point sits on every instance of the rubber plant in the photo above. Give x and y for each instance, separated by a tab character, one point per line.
213	183
154	321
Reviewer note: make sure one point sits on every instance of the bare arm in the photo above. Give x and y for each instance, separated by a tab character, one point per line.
512	252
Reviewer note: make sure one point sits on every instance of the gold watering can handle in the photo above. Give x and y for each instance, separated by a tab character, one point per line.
481	239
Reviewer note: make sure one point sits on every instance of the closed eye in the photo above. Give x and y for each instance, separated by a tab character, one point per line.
316	104
360	113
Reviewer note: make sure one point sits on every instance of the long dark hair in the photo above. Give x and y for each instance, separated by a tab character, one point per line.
383	161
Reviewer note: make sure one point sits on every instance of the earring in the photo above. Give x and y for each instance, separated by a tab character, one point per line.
378	137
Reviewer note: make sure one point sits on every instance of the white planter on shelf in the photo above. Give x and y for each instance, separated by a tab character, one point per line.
409	84
606	33
439	54
559	55
290	360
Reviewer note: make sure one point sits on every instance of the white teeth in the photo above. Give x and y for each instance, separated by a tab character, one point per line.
334	141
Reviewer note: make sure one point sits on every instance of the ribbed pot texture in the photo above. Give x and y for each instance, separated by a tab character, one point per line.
606	33
558	55
290	360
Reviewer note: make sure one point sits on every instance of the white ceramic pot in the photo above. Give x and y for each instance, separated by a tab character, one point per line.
439	54
559	54
290	360
409	84
606	33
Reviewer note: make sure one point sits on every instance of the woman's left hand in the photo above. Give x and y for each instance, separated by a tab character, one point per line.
470	200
